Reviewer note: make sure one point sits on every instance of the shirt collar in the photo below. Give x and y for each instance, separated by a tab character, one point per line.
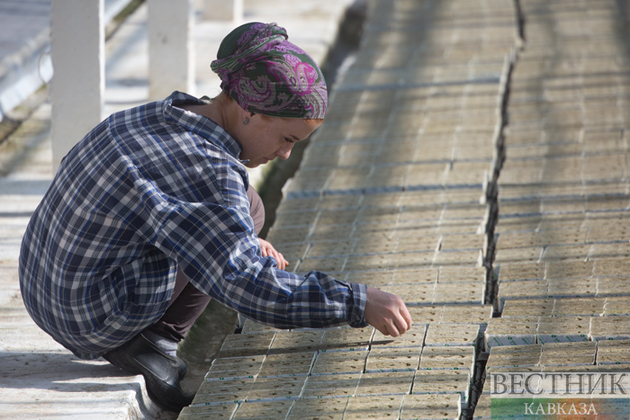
199	124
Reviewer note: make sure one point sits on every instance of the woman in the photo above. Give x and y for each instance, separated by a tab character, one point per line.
149	217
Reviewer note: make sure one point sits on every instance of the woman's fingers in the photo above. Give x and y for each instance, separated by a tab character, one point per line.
386	312
406	319
269	251
400	324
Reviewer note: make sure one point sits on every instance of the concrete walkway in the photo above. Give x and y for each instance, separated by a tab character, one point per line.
38	378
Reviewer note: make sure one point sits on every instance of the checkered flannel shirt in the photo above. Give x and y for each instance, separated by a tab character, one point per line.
147	191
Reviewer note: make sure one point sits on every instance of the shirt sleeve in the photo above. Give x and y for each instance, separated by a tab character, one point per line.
217	249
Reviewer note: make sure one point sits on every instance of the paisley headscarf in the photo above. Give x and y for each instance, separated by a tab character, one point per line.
266	74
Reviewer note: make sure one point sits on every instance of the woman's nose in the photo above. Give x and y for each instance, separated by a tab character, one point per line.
285	151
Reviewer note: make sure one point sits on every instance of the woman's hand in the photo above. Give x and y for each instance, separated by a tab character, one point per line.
386	312
269	251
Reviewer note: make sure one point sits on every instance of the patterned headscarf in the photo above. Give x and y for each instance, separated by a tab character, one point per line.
266	74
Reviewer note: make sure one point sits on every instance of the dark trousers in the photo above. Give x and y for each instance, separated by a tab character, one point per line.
187	302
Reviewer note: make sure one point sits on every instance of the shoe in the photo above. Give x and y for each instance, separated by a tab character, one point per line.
161	371
182	369
169	347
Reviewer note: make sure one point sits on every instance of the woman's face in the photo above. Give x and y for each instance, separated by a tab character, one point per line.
265	138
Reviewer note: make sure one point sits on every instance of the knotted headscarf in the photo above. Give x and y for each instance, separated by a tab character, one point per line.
266	74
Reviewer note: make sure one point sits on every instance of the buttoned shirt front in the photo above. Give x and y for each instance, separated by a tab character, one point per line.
150	190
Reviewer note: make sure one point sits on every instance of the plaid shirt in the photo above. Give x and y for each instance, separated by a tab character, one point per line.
147	191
